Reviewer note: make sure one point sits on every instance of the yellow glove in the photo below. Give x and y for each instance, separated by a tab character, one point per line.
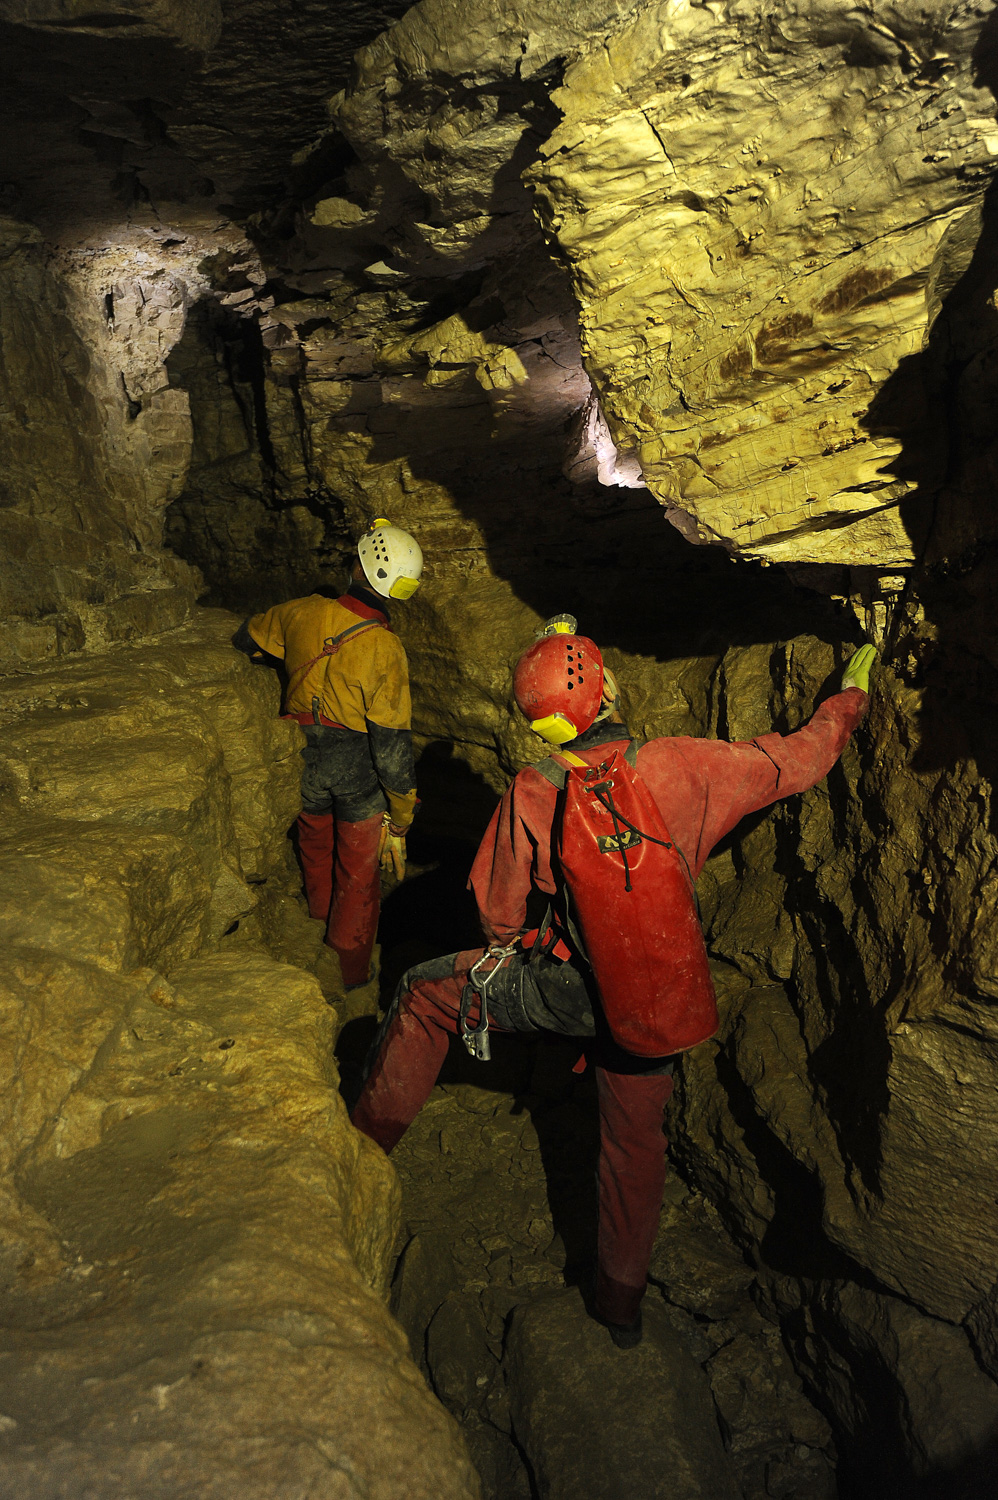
857	672
391	849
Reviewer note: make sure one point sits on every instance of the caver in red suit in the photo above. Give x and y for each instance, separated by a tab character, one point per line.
703	788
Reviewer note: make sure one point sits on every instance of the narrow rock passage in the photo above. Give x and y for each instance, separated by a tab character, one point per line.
498	1231
194	1244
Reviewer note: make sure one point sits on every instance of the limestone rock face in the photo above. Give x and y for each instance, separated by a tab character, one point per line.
74	574
182	1195
761	210
191	25
116	789
843	1118
930	1390
224	1228
587	1414
446	108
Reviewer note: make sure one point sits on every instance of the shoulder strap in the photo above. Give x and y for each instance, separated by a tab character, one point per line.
552	767
330	646
551	771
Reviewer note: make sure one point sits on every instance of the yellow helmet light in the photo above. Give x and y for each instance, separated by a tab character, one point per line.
555	728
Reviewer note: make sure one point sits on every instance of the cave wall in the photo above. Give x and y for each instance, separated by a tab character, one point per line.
196	1245
768	251
540	258
810	181
74	575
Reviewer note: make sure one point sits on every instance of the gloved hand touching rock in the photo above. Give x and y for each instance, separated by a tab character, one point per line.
391	849
857	672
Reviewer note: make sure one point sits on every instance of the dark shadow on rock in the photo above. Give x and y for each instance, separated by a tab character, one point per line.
876	1465
456	802
256	542
941	404
351	1052
794	1243
563	1110
973	1478
849	1068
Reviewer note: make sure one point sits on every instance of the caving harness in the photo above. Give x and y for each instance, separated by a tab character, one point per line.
330	646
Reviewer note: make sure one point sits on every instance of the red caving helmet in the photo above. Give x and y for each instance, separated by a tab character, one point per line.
558	683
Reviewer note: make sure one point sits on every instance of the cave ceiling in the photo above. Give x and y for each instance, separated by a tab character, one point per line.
110	106
718	239
733	254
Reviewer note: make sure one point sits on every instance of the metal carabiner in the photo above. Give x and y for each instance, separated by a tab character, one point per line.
476	1038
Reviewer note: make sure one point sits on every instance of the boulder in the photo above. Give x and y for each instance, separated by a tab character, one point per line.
606	1423
226	1238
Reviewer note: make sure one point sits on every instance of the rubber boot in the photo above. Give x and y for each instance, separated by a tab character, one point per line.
315	850
353	912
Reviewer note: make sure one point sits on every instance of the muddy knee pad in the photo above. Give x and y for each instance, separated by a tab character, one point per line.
434	968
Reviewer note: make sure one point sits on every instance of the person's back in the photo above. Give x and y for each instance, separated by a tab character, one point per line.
365	679
534	976
347	685
703	789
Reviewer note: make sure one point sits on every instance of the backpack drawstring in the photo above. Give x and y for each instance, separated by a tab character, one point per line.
603	791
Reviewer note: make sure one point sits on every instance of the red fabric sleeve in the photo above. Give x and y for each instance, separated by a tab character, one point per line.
703	787
514	856
721	783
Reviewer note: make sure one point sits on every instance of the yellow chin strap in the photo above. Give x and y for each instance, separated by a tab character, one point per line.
555	728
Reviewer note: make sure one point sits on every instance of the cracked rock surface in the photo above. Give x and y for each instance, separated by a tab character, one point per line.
534	280
196	1244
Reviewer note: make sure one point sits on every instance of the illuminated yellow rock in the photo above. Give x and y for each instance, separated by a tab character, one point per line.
756	213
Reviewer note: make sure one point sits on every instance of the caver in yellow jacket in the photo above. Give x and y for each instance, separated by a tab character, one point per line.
347	671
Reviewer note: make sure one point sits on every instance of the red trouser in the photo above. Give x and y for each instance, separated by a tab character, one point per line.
631	1171
342	883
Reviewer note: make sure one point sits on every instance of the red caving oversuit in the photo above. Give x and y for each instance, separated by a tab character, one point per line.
703	789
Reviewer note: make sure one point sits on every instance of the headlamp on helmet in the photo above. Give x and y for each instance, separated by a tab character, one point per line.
558	683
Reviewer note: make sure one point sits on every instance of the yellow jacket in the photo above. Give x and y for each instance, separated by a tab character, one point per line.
366	679
364	682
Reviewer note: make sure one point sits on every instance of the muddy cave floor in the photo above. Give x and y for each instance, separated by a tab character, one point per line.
498	1234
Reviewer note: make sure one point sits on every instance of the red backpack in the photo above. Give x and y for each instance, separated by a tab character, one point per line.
630	901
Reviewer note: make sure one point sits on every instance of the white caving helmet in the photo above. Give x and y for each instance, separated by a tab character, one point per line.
391	559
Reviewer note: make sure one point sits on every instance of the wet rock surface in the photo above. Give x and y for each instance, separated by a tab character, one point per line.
499	1230
196	1243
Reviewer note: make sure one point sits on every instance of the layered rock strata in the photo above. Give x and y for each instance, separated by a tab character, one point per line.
761	270
763	211
196	1242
